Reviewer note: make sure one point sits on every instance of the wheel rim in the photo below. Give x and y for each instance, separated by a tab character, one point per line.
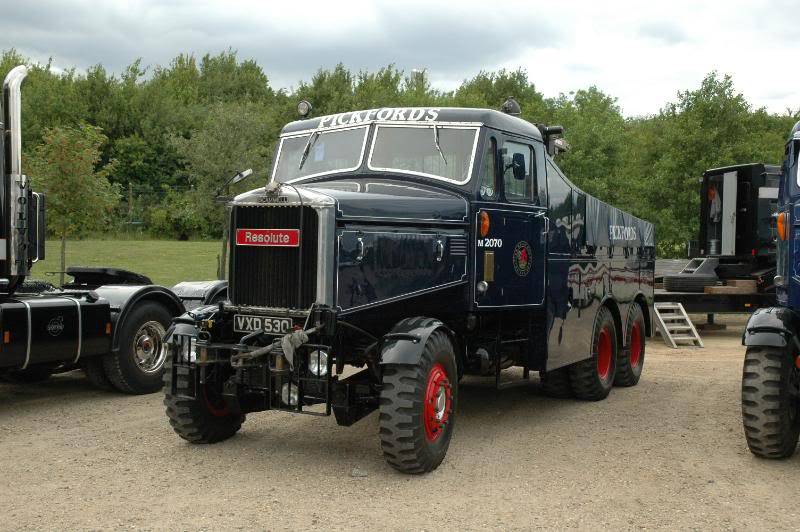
438	403
604	353
149	351
636	344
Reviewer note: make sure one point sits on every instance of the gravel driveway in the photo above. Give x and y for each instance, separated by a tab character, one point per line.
668	453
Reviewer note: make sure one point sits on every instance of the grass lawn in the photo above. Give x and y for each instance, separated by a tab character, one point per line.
166	262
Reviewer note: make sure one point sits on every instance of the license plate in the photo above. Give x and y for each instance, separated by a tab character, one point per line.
245	323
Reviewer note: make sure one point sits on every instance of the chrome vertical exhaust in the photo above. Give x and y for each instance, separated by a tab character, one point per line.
17	216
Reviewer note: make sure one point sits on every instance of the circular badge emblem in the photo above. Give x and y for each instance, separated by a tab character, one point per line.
522	258
56	326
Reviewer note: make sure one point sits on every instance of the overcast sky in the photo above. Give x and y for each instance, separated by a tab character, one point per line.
640	52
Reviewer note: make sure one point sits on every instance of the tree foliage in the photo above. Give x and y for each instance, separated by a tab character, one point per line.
176	132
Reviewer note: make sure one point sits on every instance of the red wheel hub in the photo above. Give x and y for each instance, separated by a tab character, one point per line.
604	353
216	405
438	402
636	344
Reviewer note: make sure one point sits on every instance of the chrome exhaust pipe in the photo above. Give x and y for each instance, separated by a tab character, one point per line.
11	87
18	212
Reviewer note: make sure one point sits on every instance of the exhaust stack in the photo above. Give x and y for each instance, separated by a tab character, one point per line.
13	248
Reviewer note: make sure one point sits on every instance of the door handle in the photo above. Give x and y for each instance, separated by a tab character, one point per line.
439	251
360	248
543	214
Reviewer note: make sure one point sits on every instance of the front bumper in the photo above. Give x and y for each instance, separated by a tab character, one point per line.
258	372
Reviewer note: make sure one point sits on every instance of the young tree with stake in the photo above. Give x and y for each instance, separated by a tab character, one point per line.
79	195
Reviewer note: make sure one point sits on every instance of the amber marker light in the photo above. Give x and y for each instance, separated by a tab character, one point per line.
483	223
783	225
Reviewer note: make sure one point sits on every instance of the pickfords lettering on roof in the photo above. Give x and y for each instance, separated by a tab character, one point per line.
399	114
487	117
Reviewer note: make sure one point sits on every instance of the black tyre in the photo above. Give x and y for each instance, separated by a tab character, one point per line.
630	361
28	375
556	383
770	412
593	378
418	405
138	367
206	418
96	373
688	282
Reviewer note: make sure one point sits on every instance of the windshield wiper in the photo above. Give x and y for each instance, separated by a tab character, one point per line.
311	140
436	142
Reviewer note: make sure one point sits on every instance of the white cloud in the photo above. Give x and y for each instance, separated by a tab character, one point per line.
642	53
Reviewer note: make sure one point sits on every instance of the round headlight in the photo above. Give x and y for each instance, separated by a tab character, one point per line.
318	363
186	349
289	397
303	108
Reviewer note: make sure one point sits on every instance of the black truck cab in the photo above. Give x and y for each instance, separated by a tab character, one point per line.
419	244
109	322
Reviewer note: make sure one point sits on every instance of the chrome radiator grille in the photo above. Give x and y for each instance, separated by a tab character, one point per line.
271	276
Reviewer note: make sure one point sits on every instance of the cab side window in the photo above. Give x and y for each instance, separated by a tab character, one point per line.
488	190
518	173
560	212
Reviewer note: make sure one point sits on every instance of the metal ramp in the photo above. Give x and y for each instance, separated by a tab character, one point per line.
702	265
675	326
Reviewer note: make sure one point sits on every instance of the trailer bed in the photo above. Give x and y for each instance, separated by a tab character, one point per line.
703	303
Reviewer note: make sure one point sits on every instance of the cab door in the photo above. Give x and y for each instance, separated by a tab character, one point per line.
511	228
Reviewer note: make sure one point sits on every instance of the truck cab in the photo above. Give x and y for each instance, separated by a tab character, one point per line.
771	376
108	322
415	245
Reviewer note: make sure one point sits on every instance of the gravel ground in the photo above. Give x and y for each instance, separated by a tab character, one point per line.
668	453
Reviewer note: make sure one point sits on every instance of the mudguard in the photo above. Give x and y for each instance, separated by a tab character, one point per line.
123	298
774	326
197	293
405	343
186	324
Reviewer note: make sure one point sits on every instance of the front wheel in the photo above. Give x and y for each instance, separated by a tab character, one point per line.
201	415
417	408
770	404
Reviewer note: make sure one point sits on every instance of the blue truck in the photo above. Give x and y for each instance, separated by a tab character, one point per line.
395	250
771	374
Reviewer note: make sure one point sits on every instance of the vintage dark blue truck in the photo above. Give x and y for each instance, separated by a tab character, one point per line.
109	322
771	373
393	251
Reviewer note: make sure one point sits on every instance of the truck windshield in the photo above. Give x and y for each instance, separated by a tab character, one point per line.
323	152
445	152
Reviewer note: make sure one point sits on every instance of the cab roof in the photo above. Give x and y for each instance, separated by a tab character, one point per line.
440	115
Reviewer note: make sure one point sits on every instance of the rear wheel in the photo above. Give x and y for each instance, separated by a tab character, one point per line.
631	360
138	367
204	418
418	406
593	378
770	409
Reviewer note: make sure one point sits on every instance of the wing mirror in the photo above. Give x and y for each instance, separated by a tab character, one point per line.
236	178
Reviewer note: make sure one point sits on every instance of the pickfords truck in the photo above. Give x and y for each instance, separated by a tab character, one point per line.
395	250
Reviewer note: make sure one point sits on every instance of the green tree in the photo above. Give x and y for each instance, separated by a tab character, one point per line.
79	195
